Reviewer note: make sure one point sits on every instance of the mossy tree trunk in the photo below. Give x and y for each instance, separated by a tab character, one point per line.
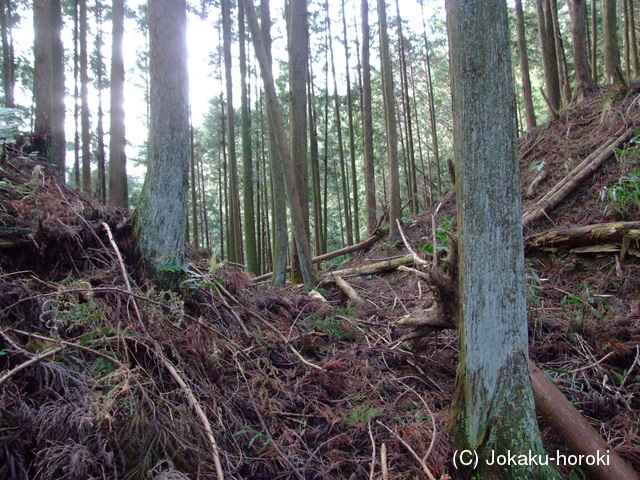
160	217
493	408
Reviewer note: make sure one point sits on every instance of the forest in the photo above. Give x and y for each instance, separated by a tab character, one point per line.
320	239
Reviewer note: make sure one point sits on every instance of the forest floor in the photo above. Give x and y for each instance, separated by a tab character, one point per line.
102	376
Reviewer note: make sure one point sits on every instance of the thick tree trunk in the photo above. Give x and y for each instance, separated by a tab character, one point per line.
635	60
160	217
101	191
584	82
524	67
58	144
598	234
42	86
560	55
390	122
610	34
594	42
297	215
118	189
298	42
367	124
549	60
493	409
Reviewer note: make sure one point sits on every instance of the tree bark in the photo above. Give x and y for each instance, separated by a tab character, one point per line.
493	407
549	61
570	237
560	55
390	123
235	221
584	83
7	57
58	144
118	189
610	34
367	124
160	217
85	137
281	236
250	245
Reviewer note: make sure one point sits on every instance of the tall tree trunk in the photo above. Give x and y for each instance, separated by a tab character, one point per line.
101	191
281	236
247	160
406	109
635	60
549	59
610	34
524	68
367	124
298	42
594	41
160	217
42	87
314	157
560	55
203	201
297	215
84	94
493	408
432	108
76	96
584	82
58	143
235	229
118	189
390	122
352	142
343	170
7	60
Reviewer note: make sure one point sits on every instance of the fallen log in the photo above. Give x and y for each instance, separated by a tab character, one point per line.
378	234
589	165
566	238
372	268
575	432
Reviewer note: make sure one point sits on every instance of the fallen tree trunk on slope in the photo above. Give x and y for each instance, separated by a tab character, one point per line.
566	238
378	234
575	432
589	165
372	268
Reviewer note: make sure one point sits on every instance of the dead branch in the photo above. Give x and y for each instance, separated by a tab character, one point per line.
589	165
29	362
348	290
193	401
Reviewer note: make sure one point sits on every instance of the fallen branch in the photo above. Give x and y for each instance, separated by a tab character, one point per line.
29	362
589	165
348	290
598	234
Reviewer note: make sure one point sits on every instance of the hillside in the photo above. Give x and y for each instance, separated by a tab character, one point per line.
104	377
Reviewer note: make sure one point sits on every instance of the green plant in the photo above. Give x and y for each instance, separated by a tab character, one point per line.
446	224
255	435
328	324
361	414
533	286
585	303
623	197
11	121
